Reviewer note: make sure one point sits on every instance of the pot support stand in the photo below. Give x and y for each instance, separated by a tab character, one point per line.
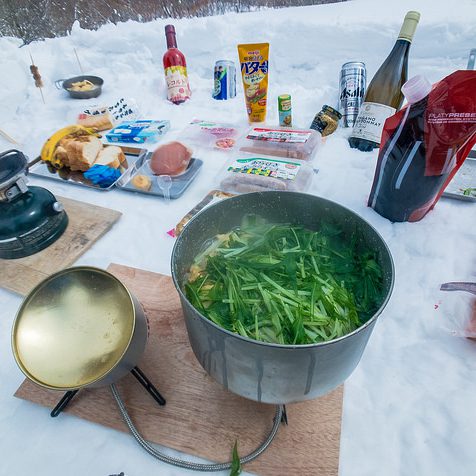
136	372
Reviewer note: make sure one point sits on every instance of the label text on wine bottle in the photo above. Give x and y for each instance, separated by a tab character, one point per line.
178	88
370	121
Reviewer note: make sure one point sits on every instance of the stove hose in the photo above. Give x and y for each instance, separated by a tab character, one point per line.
189	464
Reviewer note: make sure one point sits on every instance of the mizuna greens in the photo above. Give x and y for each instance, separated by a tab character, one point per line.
286	284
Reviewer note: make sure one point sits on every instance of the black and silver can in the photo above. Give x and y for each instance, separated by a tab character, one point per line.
352	85
224	86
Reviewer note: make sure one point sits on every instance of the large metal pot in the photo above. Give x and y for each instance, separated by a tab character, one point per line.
274	373
78	328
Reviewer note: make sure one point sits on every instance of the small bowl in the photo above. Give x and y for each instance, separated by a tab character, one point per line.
93	93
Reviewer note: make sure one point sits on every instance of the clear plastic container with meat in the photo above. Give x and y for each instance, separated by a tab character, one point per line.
212	135
299	144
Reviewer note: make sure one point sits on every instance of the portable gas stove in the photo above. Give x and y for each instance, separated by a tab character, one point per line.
31	218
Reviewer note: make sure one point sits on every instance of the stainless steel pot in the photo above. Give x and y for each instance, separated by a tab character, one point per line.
274	373
78	328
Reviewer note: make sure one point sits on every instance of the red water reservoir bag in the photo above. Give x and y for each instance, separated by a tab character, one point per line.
423	145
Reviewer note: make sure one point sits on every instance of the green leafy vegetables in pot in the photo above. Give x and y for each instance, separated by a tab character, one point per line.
286	284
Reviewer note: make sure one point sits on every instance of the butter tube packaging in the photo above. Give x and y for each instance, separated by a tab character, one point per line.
254	72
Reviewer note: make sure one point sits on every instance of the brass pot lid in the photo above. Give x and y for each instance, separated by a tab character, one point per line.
73	328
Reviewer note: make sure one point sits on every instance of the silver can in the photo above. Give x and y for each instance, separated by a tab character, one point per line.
352	85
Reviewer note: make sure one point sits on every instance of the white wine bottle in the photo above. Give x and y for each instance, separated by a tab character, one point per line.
384	96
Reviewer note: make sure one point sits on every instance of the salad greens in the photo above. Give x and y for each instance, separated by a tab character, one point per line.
470	192
286	284
235	469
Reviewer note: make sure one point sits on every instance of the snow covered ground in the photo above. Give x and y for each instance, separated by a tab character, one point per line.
409	407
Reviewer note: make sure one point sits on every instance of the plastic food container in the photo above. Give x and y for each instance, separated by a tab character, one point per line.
256	173
299	144
213	135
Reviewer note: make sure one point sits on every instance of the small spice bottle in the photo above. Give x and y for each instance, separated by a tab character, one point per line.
326	121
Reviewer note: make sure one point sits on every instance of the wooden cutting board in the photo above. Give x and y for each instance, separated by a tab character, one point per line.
201	417
87	223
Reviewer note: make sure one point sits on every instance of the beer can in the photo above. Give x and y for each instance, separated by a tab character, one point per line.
285	110
352	85
225	80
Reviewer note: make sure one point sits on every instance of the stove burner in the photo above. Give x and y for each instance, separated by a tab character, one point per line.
138	374
30	218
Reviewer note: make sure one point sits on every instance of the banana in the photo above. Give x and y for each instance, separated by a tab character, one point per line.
49	148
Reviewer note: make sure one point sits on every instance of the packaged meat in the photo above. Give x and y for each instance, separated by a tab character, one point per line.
170	159
213	135
261	173
299	144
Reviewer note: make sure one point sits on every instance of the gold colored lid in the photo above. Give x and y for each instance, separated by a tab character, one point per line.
409	26
73	328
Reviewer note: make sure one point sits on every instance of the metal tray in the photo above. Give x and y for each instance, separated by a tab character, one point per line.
135	157
179	183
464	178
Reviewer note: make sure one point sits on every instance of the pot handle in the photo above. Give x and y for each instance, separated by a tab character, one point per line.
459	286
59	83
278	417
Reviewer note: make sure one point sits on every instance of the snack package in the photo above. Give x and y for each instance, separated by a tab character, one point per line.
299	144
213	135
256	173
423	145
254	61
458	312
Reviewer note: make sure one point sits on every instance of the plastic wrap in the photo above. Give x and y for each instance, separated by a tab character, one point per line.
212	135
458	312
299	144
255	173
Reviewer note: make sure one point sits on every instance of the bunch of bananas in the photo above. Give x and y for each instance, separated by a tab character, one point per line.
49	148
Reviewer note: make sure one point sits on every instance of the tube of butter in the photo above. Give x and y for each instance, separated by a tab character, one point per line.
254	71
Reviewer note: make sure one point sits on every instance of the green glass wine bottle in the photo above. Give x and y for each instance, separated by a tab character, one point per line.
384	96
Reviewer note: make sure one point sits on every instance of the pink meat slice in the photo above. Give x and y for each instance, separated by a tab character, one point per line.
170	159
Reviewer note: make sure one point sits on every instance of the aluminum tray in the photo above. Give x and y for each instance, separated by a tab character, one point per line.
135	157
464	178
178	185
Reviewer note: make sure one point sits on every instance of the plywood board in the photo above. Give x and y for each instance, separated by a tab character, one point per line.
87	223
201	417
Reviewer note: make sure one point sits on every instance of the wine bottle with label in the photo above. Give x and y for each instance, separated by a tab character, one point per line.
384	96
175	68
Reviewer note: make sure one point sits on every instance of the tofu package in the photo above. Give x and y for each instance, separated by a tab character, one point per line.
138	132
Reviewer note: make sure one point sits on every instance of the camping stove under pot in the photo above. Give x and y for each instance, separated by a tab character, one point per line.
30	217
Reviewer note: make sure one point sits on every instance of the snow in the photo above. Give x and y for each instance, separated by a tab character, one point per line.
409	406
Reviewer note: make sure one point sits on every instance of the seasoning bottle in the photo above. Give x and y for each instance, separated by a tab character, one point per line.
284	110
326	121
175	68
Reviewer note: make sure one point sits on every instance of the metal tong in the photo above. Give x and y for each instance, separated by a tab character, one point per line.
459	286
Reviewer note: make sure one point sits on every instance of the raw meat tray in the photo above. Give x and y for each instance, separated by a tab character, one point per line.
178	184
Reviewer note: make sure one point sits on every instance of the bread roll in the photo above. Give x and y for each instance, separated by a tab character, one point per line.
82	152
112	156
100	122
